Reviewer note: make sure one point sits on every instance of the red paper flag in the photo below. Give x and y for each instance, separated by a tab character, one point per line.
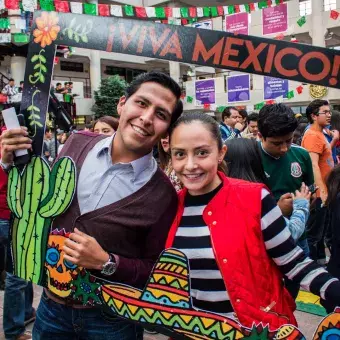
140	12
104	10
184	21
62	6
270	102
165	21
237	8
206	106
299	89
269	3
252	7
192	12
334	14
168	12
220	10
56	60
12	4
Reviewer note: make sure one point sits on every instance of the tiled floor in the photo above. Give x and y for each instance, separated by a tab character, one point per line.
307	322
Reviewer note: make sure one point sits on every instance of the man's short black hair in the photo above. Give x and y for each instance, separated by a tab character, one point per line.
252	117
11	79
276	120
313	108
243	113
58	84
70	83
226	112
162	79
21	82
66	83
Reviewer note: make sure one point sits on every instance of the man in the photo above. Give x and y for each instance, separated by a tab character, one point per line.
117	232
21	87
10	90
58	88
319	115
251	131
230	117
286	165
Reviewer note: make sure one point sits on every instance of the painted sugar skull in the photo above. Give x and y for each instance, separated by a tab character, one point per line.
59	270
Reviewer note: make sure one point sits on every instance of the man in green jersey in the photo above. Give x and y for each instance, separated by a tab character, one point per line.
286	165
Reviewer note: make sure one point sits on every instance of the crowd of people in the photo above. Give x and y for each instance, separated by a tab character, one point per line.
255	213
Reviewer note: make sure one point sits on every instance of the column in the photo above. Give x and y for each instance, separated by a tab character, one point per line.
319	30
18	65
95	71
175	70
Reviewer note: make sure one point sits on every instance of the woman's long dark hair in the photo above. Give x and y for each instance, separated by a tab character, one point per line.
244	161
333	185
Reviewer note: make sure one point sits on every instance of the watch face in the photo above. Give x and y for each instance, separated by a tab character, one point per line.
109	268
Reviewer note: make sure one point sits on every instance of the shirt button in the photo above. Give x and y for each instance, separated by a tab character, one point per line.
224	260
214	223
209	213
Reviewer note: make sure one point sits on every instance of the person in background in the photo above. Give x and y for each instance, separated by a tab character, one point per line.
230	116
10	89
299	131
236	259
242	120
59	88
252	130
106	125
64	137
88	127
21	87
315	142
335	126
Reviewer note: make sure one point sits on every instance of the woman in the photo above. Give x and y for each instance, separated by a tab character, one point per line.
165	163
106	125
234	235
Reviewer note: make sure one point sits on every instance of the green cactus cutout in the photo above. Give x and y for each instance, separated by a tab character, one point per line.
36	197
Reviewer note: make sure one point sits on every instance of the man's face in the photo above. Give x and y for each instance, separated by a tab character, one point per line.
323	118
233	119
277	146
48	134
145	118
58	87
241	120
252	127
11	83
70	86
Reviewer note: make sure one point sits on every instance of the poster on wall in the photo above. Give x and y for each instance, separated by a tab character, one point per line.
237	23
274	87
206	24
238	88
275	19
205	91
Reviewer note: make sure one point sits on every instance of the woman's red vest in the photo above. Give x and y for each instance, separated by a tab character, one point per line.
253	281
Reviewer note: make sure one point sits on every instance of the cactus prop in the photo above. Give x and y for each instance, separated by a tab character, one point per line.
36	197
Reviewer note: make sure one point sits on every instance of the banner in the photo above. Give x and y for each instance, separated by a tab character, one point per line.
205	91
274	87
237	23
206	24
275	19
238	88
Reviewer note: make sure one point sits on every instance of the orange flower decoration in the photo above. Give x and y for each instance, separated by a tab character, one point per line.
47	30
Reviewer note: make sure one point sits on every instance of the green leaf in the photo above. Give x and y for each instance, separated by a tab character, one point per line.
42	78
76	37
30	117
30	108
73	22
42	58
36	74
34	58
70	33
43	68
36	108
36	66
32	123
38	124
36	116
84	38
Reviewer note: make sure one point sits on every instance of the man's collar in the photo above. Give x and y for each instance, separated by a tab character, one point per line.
268	153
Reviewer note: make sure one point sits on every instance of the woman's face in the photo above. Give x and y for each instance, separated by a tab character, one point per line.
165	144
103	129
195	157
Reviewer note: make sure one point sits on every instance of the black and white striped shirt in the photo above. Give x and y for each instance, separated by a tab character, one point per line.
208	289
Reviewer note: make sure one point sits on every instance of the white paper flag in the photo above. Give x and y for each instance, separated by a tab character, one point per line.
77	7
199	12
150	12
2	4
20	24
176	12
5	38
243	9
116	10
29	5
225	10
174	21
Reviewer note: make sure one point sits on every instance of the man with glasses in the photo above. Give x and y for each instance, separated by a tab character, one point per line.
315	142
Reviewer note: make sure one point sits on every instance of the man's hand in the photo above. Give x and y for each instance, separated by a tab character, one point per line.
84	251
239	126
285	203
303	193
13	140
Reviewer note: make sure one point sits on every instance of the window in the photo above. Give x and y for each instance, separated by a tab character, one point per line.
305	7
71	66
328	5
125	73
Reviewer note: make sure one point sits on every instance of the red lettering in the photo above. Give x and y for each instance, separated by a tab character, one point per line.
253	55
320	75
157	42
126	39
278	61
336	65
110	38
142	39
200	49
229	51
270	58
173	46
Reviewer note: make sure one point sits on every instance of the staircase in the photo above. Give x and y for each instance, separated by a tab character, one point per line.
3	81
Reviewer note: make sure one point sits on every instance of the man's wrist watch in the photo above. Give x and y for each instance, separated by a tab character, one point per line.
110	266
6	166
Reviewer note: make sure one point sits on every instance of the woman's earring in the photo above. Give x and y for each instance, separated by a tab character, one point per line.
219	161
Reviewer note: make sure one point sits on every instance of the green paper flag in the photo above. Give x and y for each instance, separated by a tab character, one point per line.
47	5
190	99
231	9
301	21
259	106
221	109
278	2
4	24
290	94
206	11
129	10
160	12
247	8
192	20
185	12
21	38
90	9
214	11
262	4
